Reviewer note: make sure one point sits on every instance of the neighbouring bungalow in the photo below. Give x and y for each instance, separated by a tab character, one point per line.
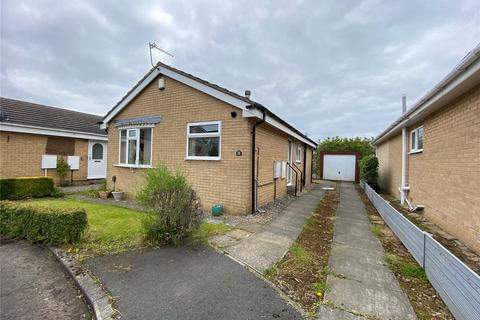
232	150
439	167
34	137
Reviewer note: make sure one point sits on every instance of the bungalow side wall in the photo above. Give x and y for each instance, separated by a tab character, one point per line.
445	177
226	181
21	156
272	145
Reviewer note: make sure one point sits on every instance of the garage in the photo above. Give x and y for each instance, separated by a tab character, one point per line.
339	166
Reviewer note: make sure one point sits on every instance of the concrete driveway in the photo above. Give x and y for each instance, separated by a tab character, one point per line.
34	286
187	283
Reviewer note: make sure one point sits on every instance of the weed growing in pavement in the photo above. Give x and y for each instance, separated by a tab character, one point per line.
377	230
270	272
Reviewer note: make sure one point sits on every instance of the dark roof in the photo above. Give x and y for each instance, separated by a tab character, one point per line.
33	114
216	87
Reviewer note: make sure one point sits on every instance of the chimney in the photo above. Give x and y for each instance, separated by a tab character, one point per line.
404	103
248	93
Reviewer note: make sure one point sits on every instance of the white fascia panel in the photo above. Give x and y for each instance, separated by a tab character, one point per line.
50	132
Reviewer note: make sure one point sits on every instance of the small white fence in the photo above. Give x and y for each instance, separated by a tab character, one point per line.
455	282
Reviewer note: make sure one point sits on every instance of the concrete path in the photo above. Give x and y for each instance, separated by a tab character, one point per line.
34	286
360	285
79	188
193	282
271	241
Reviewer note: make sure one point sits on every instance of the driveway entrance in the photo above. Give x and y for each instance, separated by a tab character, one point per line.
187	283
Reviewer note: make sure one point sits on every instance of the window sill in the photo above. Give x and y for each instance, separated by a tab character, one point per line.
298	161
204	158
133	166
415	151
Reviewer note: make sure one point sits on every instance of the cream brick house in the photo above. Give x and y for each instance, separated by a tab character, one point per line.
233	151
441	162
33	136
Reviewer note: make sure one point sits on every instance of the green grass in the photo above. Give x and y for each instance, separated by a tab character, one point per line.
320	288
311	222
206	230
301	257
405	268
271	271
111	229
377	230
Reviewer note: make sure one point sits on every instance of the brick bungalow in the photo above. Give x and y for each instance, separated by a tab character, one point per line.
232	149
33	135
441	160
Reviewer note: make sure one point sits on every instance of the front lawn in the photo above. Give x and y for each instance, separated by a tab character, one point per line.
111	229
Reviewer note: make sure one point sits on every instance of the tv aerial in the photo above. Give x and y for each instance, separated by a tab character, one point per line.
153	45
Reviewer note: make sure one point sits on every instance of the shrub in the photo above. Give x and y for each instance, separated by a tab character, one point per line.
369	170
103	185
42	224
62	168
57	193
28	187
172	207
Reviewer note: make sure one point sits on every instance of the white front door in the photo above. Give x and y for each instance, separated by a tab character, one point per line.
97	160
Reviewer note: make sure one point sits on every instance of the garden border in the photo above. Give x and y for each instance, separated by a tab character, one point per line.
455	282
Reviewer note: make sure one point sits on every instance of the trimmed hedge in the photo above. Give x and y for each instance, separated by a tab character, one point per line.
28	187
42	224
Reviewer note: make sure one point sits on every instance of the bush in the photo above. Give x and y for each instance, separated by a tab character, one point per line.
172	207
369	170
28	187
62	168
57	193
42	224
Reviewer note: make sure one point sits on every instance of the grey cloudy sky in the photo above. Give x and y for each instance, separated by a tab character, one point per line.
327	67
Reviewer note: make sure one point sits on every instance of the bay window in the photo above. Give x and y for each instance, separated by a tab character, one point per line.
203	140
135	147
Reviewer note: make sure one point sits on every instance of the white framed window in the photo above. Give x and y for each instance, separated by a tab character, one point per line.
284	169
135	147
298	153
276	169
416	140
204	140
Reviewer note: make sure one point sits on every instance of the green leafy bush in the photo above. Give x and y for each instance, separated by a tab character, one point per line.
172	207
103	185
57	193
28	187
62	168
42	224
369	170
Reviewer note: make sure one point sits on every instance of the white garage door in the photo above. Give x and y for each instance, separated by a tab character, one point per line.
339	167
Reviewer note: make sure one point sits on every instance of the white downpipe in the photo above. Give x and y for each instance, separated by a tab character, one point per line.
403	191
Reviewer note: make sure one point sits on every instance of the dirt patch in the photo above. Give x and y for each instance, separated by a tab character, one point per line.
423	297
466	255
302	273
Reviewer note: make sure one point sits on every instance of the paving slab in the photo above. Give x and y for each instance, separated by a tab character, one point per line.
272	241
373	300
328	313
360	285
